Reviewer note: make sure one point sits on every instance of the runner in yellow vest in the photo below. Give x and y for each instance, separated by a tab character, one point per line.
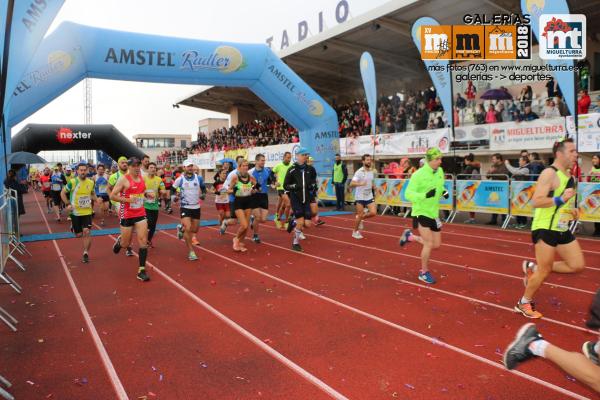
554	202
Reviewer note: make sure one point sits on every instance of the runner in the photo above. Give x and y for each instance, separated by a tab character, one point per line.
230	175
243	186
300	181
264	177
168	181
34	175
554	201
130	191
101	187
46	183
156	187
425	188
145	165
58	181
221	198
283	204
314	201
191	189
79	197
123	169
363	182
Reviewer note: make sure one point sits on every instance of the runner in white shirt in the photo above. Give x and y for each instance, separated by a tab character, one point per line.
363	183
145	165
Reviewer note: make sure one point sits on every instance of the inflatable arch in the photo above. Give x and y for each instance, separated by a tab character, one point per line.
74	52
37	137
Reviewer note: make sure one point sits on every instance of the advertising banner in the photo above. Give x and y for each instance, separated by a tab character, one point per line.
482	196
472	133
396	144
521	194
448	204
588	196
326	190
273	154
538	134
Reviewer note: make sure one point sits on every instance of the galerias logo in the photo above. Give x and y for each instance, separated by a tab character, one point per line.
67	136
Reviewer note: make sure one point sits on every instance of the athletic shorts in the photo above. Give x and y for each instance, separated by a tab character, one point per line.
244	203
129	222
232	209
104	196
47	194
55	197
552	238
434	224
81	222
193	213
222	206
282	192
364	203
261	200
299	209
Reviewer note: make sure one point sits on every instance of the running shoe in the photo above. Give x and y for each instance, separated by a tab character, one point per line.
361	226
290	225
286	226
149	244
255	239
223	227
86	258
297	247
129	252
102	222
320	222
179	231
143	276
302	237
252	222
117	246
518	351
528	270
192	256
405	236
470	221
169	210
195	241
426	277
357	235
277	222
590	353
528	310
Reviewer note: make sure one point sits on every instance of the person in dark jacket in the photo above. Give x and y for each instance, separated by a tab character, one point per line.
339	177
536	166
301	183
11	183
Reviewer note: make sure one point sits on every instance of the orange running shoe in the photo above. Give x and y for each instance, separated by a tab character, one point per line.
528	310
528	270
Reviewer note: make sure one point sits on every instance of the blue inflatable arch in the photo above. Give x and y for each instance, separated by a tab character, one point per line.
74	52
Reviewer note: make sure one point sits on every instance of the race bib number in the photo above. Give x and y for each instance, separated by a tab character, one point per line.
367	192
84	202
438	223
245	191
56	187
168	179
564	220
222	198
102	189
149	196
138	202
46	184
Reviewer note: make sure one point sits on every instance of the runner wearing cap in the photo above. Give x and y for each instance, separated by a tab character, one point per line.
226	185
101	187
283	205
424	190
301	182
123	168
130	192
554	202
363	182
79	197
191	189
314	205
243	186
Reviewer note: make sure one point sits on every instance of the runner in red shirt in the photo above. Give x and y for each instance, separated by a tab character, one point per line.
130	191
168	180
46	183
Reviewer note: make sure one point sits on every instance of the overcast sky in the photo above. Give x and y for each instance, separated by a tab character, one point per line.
147	107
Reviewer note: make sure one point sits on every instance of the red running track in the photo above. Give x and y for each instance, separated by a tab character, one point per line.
344	319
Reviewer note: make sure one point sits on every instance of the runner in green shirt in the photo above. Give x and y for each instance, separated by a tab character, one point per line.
283	205
425	188
152	204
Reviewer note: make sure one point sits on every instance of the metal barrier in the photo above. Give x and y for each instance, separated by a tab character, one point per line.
5	238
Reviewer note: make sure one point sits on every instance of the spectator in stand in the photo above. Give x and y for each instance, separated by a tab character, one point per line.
439	123
560	104
340	175
497	172
550	87
583	103
528	115
471	92
400	123
513	112
536	166
550	110
525	97
471	171
520	174
501	113
595	177
490	116
460	101
479	115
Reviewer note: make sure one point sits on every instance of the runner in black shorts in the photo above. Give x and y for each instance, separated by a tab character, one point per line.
264	178
242	185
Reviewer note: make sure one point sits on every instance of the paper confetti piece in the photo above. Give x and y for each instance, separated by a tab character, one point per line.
411	387
30	382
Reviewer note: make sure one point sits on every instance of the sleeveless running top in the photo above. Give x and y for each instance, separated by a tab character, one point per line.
556	218
135	191
243	188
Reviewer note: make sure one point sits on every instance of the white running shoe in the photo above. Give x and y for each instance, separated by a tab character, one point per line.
302	237
357	235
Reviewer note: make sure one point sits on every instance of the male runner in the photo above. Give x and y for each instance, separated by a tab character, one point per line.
46	183
58	181
264	177
145	165
314	201
363	182
130	191
424	190
101	186
156	186
283	205
168	181
553	200
233	218
191	189
300	181
112	181
79	195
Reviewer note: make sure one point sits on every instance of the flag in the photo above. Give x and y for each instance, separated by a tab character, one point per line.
367	71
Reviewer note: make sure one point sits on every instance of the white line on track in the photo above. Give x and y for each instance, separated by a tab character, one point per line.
108	365
394	325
